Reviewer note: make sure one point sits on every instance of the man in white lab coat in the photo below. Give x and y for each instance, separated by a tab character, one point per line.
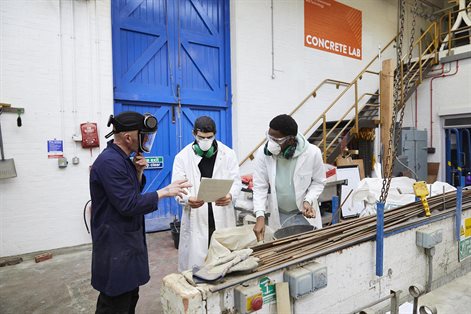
292	170
208	158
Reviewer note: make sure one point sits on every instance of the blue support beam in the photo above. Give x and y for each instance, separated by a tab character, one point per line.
459	203
335	209
379	238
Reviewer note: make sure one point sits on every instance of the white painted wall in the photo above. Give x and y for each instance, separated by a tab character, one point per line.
62	78
451	95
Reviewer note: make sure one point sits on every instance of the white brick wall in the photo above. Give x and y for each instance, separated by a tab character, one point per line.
42	208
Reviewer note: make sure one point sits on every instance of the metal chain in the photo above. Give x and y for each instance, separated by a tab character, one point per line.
398	94
386	182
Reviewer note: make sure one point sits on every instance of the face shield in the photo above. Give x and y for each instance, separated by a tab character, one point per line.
147	133
146	140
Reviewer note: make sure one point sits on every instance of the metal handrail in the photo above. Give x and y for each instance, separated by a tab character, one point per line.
354	81
337	83
346	113
413	75
313	93
451	17
418	66
344	128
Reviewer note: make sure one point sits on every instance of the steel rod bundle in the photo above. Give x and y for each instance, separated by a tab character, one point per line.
341	235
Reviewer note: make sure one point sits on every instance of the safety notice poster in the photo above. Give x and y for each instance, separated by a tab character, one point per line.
333	27
465	239
55	148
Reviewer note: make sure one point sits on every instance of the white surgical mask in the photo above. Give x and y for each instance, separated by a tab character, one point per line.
274	148
205	144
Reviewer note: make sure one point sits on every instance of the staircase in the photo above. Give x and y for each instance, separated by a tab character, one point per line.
332	136
340	133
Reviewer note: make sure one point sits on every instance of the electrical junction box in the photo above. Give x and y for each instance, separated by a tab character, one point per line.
428	237
306	279
299	280
319	275
248	299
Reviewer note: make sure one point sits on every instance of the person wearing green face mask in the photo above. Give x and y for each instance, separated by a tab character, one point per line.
204	157
293	170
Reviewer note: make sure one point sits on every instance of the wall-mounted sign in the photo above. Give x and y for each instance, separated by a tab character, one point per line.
155	162
333	27
465	239
55	148
268	290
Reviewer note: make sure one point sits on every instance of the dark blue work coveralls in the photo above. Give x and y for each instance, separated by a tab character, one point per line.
119	257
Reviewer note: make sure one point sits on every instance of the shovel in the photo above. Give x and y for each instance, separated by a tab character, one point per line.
7	166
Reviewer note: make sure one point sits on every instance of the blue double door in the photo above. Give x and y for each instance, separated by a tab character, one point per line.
171	58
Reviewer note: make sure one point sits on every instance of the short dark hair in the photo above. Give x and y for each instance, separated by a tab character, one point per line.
284	124
204	124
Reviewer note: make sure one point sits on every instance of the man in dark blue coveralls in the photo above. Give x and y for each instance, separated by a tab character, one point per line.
119	257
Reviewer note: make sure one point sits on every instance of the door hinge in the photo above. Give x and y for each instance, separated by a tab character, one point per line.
174	119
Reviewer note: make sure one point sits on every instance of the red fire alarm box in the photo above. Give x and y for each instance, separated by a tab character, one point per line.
89	132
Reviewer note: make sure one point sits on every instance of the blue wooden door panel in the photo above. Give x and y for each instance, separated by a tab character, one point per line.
167	52
141	51
202	55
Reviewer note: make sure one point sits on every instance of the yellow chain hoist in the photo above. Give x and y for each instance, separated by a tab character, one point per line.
421	190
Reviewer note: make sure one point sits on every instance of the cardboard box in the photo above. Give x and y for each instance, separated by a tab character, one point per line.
348	161
432	171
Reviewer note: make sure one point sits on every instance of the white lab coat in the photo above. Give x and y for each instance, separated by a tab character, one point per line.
308	180
193	245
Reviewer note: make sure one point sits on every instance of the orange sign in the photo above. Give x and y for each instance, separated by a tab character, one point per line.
332	26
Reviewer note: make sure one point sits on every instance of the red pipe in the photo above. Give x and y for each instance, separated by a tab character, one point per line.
416	108
431	97
431	75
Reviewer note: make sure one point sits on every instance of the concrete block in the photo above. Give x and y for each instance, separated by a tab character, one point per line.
178	296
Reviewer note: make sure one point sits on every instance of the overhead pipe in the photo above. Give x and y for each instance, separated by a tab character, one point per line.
431	101
416	96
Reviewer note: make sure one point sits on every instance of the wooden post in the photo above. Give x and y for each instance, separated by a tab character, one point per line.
283	304
386	108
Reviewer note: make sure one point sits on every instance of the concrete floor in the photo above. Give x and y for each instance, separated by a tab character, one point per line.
454	297
62	284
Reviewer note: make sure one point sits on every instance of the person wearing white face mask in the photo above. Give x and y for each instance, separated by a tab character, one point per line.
209	158
293	170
